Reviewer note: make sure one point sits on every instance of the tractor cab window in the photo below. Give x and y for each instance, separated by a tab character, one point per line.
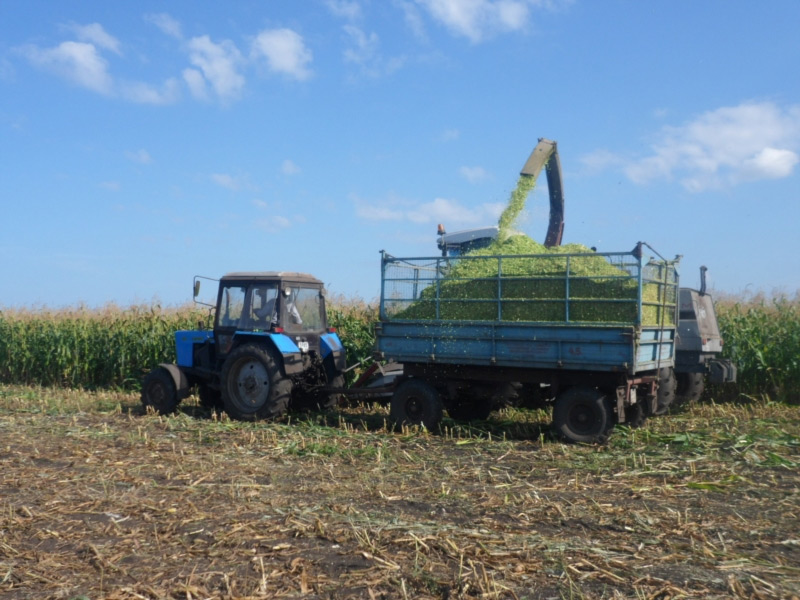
303	309
231	304
263	306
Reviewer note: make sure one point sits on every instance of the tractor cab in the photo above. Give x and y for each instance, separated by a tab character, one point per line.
286	304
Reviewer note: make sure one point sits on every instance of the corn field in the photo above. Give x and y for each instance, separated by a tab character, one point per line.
114	347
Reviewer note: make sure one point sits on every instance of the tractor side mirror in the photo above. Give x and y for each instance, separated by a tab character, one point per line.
196	288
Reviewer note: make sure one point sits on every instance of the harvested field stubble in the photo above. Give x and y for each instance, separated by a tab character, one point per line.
97	500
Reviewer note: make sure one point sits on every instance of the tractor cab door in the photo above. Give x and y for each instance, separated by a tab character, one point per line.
230	315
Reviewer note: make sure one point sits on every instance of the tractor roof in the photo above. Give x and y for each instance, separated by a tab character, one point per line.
271	276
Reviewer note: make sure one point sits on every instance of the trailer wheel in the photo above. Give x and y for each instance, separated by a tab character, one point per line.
253	386
159	391
416	402
666	390
582	414
690	387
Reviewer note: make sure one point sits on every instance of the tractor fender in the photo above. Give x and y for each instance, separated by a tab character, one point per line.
331	348
179	377
287	354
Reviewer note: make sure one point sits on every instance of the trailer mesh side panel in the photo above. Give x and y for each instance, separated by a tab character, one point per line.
613	288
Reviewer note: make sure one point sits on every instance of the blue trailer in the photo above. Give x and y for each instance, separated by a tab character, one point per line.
593	332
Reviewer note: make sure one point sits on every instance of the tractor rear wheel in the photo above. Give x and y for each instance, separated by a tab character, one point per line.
416	402
583	415
159	391
253	386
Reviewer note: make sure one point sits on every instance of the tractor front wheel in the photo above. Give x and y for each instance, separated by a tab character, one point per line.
159	391
253	386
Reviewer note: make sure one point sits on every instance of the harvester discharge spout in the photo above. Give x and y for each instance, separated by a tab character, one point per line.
546	154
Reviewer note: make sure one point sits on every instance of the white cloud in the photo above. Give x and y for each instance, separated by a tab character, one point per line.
144	93
347	9
770	163
479	19
284	51
473	174
601	160
288	167
111	186
166	24
219	65
365	46
413	18
95	34
140	156
78	62
196	82
273	224
440	210
227	181
724	147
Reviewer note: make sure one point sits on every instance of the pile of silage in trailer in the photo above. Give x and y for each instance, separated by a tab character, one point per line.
534	288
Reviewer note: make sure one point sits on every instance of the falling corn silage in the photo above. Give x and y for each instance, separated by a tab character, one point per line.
519	279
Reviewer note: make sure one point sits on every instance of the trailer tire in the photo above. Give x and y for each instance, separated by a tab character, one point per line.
160	392
690	387
253	386
583	415
667	385
416	402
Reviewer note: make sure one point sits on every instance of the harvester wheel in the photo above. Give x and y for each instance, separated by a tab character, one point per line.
666	390
159	391
416	402
690	387
253	386
583	414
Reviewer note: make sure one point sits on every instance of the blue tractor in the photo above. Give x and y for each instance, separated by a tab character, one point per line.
270	348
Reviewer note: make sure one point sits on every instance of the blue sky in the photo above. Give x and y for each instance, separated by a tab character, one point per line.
140	147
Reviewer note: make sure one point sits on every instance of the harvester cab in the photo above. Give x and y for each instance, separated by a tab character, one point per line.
270	346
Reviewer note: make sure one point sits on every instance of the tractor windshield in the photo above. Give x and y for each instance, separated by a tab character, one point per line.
303	309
